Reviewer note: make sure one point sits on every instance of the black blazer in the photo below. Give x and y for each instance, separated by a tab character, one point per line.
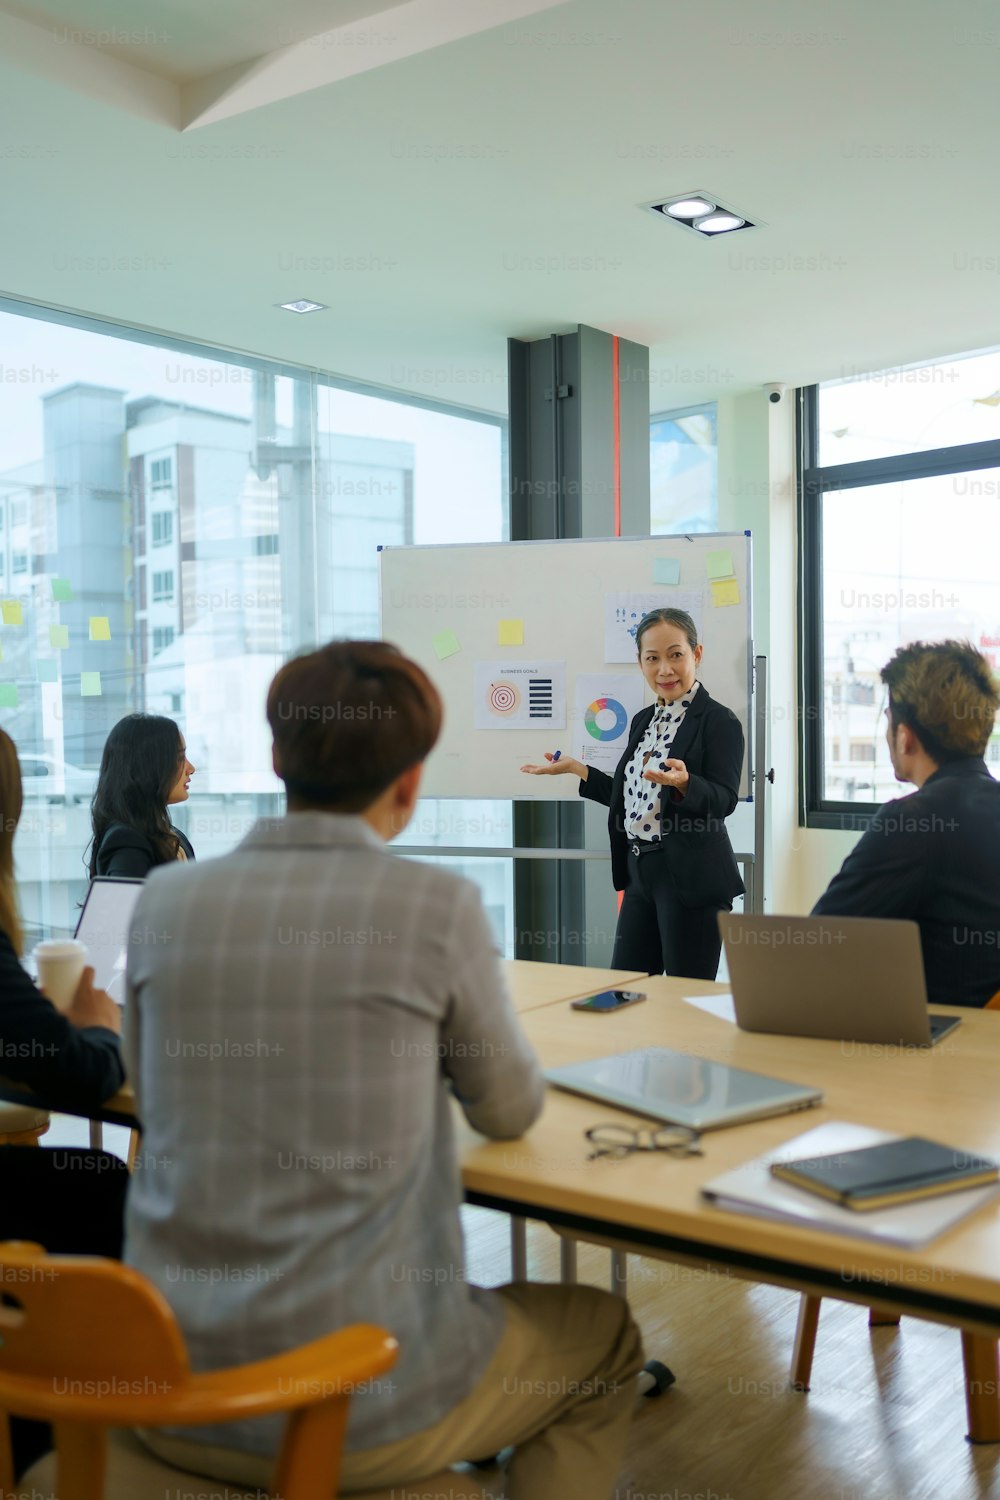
696	846
934	858
44	1051
129	854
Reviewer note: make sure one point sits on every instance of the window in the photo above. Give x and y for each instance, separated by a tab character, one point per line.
683	471
276	547
18	512
160	474
163	587
879	569
19	562
163	528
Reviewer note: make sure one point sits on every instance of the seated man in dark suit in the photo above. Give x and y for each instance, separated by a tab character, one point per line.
934	857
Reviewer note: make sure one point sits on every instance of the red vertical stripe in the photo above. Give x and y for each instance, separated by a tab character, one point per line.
616	427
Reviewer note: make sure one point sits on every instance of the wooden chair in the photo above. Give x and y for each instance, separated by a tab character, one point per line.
979	1355
90	1345
21	1125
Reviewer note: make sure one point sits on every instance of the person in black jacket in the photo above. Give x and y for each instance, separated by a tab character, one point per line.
934	857
675	785
144	770
69	1201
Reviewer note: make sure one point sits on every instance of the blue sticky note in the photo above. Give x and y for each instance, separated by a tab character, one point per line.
48	671
666	570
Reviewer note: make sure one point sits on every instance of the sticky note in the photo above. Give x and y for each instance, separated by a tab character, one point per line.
48	671
90	684
726	592
100	628
666	570
719	564
61	591
8	695
59	637
446	644
510	633
12	612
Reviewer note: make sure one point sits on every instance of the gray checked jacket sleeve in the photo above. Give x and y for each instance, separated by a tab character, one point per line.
493	1068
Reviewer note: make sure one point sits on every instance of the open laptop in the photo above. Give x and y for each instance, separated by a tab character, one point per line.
680	1089
846	979
104	927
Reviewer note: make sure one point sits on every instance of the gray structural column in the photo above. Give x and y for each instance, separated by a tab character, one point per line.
579	467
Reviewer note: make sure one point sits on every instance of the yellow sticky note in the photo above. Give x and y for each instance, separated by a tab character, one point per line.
510	633
59	637
100	628
90	684
12	612
726	592
446	643
719	564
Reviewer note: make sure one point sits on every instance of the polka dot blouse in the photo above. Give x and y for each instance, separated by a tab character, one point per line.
642	798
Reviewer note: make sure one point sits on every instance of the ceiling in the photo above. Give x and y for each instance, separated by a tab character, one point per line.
443	182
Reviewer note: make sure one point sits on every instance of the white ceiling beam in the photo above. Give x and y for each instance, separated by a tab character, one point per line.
88	71
370	42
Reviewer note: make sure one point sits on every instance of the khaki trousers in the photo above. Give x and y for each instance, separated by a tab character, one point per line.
560	1389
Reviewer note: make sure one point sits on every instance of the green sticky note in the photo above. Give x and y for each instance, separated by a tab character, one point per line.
8	695
61	591
12	612
726	592
666	570
100	628
59	637
510	633
48	671
90	684
719	565
446	644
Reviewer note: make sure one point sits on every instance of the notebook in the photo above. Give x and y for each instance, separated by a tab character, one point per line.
681	1089
898	1172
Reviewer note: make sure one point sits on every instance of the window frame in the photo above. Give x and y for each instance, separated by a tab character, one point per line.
814	482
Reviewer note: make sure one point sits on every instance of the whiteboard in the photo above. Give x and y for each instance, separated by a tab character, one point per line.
444	607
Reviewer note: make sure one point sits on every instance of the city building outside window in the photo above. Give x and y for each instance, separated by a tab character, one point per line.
684	471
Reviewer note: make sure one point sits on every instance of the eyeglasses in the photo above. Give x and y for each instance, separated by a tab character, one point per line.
617	1141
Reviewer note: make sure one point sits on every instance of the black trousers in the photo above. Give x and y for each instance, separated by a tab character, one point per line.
73	1203
656	934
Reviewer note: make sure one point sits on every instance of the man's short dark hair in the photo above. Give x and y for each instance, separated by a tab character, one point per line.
945	692
348	719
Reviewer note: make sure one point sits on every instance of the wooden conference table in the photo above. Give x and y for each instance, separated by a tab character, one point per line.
650	1204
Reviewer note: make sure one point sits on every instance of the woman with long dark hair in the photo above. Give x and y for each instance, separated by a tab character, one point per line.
144	770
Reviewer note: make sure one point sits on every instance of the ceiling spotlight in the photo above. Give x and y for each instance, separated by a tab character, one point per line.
718	222
688	208
302	306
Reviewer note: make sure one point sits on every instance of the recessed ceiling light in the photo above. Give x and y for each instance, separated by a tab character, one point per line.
688	208
701	213
302	306
719	222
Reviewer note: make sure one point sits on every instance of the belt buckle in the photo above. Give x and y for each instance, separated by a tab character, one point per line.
635	849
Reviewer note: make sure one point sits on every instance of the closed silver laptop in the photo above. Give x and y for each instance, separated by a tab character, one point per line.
845	979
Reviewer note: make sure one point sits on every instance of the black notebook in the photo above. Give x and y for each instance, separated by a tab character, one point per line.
879	1176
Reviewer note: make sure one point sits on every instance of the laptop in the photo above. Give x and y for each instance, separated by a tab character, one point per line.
680	1089
845	979
104	927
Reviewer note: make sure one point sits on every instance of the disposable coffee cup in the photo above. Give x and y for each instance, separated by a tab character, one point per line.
60	966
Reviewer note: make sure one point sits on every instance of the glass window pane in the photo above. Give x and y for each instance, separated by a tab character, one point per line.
892	574
684	488
910	410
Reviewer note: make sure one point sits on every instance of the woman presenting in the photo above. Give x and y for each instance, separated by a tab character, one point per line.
675	785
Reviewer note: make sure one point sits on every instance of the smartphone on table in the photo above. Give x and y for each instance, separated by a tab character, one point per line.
609	1000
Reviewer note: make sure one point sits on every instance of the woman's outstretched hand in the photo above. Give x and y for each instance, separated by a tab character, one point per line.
559	767
672	773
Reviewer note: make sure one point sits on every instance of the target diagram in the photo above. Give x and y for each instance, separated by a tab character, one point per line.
504	698
520	695
605	719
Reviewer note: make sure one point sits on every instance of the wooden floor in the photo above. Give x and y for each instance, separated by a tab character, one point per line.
884	1420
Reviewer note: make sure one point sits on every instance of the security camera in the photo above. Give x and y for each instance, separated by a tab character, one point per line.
774	391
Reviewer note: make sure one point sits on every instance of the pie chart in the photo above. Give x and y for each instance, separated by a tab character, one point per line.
605	719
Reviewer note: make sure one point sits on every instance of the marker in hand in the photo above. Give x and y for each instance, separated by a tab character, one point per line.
556	756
